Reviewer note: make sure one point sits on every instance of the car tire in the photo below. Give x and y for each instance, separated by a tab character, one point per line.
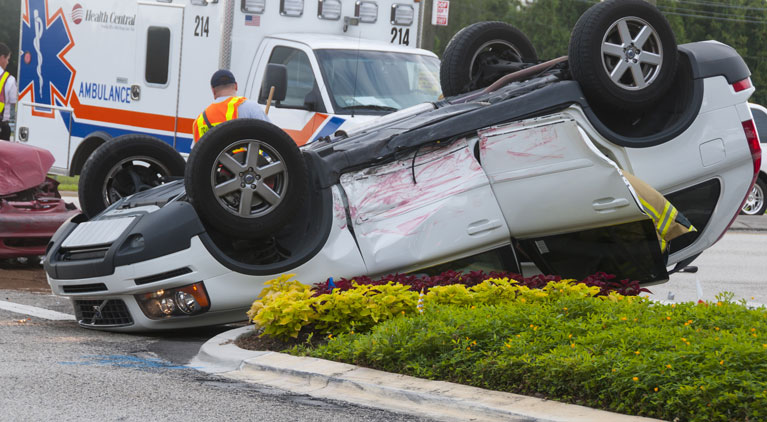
479	43
123	166
755	203
222	171
623	53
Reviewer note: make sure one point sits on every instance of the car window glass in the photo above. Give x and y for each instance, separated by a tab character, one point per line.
760	119
300	75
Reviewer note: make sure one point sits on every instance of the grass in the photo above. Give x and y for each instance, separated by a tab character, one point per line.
66	183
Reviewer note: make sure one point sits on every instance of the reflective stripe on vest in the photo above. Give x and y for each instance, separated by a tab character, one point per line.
3	79
217	113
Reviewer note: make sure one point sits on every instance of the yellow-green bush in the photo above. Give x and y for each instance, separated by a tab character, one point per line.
286	306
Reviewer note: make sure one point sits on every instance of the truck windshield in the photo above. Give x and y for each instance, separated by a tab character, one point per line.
378	82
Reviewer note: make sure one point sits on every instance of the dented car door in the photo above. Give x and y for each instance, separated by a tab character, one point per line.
567	204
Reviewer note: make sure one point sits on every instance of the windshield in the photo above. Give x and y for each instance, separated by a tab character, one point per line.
384	82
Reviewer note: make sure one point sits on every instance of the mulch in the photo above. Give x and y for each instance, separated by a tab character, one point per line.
254	340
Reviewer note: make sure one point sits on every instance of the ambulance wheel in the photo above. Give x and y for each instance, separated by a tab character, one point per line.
475	56
623	53
246	178
123	166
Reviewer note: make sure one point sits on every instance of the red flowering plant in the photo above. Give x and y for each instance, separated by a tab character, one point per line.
417	282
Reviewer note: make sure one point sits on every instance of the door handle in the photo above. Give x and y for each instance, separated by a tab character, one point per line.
482	226
609	204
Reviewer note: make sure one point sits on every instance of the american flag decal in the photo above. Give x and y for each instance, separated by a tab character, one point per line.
252	20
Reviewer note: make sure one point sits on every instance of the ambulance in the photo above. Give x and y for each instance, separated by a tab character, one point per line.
93	70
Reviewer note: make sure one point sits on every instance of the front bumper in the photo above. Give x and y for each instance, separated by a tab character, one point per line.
26	227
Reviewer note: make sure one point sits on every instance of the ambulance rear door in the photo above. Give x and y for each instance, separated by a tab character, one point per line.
155	87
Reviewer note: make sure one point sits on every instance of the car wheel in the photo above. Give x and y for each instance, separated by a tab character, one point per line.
755	204
623	53
123	166
246	178
468	61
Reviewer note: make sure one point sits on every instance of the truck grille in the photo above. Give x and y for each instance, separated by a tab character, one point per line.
84	288
100	313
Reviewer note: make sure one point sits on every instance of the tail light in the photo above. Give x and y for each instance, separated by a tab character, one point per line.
752	137
742	85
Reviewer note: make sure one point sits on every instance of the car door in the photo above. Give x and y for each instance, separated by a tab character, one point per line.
425	208
567	205
293	114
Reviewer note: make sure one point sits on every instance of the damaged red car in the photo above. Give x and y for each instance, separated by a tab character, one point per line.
31	207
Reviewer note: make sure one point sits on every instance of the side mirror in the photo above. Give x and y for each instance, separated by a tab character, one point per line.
276	76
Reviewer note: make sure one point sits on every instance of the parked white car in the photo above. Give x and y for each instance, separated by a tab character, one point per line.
755	204
529	168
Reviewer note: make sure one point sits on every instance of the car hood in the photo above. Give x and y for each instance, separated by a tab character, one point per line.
22	167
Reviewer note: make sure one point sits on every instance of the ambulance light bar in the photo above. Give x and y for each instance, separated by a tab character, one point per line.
293	8
329	9
367	11
402	14
253	6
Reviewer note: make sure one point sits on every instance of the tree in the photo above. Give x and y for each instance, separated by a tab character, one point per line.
10	17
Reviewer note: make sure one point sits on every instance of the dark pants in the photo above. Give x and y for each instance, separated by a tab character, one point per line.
5	131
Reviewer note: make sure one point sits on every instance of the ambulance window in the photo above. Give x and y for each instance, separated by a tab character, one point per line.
300	75
157	55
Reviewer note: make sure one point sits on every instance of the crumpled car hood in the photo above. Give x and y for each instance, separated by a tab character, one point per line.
22	167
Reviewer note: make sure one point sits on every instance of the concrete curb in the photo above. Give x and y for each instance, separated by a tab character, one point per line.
368	387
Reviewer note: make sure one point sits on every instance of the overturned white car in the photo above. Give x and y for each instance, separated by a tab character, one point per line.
529	168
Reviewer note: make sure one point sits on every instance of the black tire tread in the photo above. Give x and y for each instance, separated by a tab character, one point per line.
590	27
109	153
200	192
453	72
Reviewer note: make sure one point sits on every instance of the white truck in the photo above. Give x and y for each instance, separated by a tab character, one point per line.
92	70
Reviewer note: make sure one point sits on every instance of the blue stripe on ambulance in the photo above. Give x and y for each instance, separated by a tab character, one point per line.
82	130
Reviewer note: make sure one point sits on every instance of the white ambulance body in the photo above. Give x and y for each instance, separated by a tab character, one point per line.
91	70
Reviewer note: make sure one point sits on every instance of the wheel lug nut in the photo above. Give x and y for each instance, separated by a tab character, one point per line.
242	185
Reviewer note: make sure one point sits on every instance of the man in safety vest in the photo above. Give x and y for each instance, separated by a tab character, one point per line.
227	105
8	93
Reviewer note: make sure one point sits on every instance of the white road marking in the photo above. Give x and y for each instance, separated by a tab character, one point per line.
36	312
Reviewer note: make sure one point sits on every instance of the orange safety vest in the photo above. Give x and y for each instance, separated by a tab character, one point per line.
215	114
3	80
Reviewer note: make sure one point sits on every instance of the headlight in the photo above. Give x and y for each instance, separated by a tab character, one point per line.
181	301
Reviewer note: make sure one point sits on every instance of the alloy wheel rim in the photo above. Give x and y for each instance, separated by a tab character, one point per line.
632	54
754	202
142	177
249	178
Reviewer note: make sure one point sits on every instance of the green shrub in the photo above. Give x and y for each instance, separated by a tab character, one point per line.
286	306
696	362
